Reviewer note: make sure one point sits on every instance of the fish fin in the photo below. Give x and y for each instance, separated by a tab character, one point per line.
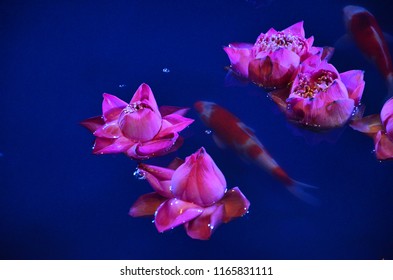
219	142
300	189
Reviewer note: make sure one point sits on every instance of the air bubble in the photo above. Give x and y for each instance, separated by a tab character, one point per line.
139	174
166	70
122	86
208	131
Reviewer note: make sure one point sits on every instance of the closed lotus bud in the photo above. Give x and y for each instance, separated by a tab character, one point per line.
199	180
139	122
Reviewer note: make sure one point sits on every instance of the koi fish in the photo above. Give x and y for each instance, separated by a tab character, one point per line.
368	36
229	131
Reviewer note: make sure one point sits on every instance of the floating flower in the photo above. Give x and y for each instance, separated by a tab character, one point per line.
320	98
140	129
274	57
193	194
380	128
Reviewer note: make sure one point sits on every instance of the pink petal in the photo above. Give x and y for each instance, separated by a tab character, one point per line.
325	53
335	91
199	180
269	33
296	29
370	124
167	110
140	124
112	106
93	123
146	205
204	225
354	82
326	66
158	177
387	111
383	146
111	145
173	123
317	114
239	56
235	203
174	212
310	64
274	70
337	113
109	130
389	129
143	93
154	148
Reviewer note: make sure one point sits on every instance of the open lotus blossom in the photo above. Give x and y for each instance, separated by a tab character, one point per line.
139	129
380	128
320	97
274	57
192	194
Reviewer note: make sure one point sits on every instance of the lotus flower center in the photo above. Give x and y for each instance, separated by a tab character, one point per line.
280	40
308	87
134	107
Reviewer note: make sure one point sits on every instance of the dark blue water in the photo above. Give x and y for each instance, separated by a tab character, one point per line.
58	201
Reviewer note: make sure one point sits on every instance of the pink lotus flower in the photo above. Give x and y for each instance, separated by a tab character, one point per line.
380	128
274	57
320	97
140	129
193	194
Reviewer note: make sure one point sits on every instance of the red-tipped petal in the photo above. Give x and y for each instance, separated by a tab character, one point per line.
155	147
335	91
146	205
111	146
235	203
199	180
108	130
296	29
370	124
383	146
141	124
143	93
174	212
337	113
354	82
112	106
167	110
239	56
173	123
387	112
275	70
158	177
93	123
204	225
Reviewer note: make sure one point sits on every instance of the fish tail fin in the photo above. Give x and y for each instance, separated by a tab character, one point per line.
300	190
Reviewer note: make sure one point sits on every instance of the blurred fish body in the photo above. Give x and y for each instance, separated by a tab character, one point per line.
368	36
229	131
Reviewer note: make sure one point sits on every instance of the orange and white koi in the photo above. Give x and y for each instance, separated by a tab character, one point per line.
229	131
365	31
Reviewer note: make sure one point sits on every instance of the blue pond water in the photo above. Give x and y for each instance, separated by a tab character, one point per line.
58	201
